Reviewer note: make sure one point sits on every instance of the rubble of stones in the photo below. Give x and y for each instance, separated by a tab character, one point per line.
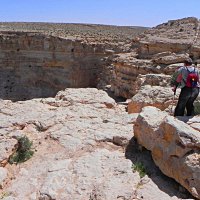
86	144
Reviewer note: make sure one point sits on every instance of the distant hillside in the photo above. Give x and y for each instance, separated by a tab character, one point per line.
92	32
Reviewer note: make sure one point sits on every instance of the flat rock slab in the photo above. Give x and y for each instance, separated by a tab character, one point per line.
79	145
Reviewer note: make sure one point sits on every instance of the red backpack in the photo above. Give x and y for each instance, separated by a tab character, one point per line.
192	78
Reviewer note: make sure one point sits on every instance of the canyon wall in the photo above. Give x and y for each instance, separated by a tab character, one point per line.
178	36
159	50
38	65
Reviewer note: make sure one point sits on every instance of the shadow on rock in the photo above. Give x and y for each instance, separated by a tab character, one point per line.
138	154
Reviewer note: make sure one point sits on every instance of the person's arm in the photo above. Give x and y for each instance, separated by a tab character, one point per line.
179	77
176	79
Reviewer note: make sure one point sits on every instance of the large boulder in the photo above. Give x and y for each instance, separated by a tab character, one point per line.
157	96
175	146
83	96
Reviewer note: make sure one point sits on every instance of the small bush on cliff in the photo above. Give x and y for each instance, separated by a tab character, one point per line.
139	167
23	152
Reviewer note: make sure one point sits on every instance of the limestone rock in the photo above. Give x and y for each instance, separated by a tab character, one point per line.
170	59
7	148
194	121
92	96
47	65
148	190
3	176
153	80
79	146
175	146
93	176
175	36
170	69
160	97
74	136
124	73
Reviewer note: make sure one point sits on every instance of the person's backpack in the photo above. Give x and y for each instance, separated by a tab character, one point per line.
192	78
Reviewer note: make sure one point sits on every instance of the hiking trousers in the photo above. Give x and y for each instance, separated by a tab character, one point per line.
186	100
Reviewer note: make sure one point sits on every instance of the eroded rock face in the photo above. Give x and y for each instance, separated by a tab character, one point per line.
175	146
175	36
170	58
36	65
159	50
125	70
160	97
40	59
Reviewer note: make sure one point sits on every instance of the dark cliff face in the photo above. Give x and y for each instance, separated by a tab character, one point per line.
34	65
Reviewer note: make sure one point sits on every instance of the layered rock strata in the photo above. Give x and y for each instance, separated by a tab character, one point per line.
158	51
117	37
40	59
175	36
36	65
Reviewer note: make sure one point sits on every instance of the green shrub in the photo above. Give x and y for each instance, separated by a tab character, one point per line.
139	167
23	152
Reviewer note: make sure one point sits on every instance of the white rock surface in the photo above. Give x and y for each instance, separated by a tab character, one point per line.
157	96
79	139
3	175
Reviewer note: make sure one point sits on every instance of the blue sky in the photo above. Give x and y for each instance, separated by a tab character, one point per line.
117	12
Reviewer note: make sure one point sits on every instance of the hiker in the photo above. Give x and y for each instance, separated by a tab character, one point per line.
187	78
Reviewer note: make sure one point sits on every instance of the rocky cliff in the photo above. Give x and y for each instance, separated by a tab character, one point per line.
37	65
178	36
159	50
38	60
86	145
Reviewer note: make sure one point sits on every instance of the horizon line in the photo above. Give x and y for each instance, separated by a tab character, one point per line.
82	23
